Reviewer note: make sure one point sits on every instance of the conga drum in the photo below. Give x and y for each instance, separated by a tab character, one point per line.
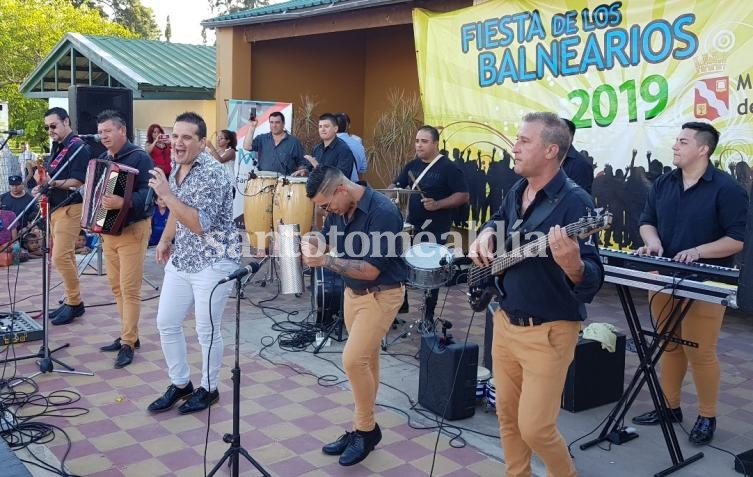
257	208
291	206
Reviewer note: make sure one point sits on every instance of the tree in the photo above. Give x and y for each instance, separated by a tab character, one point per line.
224	7
168	30
28	32
129	13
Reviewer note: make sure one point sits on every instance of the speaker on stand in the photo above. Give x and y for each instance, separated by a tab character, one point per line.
86	102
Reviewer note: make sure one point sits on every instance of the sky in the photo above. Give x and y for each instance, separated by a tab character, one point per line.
185	16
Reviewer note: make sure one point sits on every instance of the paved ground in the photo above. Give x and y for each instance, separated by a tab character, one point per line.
293	401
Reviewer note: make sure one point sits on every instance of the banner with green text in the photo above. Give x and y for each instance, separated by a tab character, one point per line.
628	74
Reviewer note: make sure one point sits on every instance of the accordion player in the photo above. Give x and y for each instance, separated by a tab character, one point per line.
105	177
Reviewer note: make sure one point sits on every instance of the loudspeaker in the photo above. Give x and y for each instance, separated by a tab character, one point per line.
439	390
86	102
745	285
595	377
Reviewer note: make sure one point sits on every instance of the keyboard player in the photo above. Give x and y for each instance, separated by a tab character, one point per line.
693	213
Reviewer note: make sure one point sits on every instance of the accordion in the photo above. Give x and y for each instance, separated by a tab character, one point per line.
102	178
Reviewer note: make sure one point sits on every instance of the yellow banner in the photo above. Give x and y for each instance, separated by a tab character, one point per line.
627	74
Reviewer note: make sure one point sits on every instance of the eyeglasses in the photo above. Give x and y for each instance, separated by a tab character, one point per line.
47	127
325	207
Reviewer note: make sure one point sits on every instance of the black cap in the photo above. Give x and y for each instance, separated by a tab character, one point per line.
15	180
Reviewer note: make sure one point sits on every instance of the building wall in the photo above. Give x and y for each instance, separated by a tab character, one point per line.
164	112
328	68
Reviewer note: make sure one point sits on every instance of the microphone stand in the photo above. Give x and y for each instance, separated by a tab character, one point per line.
44	354
236	450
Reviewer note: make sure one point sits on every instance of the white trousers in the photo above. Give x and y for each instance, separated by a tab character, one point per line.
180	290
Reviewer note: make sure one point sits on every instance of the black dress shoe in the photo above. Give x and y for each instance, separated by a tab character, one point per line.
115	345
125	357
199	400
703	430
337	447
57	310
67	313
171	396
651	418
360	445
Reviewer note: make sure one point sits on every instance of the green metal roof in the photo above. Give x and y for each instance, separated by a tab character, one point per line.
151	69
293	9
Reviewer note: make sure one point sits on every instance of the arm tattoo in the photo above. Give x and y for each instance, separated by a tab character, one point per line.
343	266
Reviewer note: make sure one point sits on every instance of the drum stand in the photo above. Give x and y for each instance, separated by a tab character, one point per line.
422	324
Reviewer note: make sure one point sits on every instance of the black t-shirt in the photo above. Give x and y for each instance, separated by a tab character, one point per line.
79	161
443	179
17	205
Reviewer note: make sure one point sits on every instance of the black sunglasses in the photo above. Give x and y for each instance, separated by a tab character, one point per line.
47	127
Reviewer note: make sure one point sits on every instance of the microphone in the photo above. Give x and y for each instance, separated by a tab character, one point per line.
90	137
149	199
252	267
14	132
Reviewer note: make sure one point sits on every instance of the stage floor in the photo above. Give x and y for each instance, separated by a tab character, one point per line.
294	401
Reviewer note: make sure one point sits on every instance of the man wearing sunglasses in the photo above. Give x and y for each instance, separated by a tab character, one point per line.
70	156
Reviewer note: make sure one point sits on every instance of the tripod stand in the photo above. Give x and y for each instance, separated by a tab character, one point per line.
45	361
423	324
236	450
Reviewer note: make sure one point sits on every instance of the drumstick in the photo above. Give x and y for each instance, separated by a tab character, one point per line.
415	185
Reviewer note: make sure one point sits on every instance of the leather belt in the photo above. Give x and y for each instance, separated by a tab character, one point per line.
375	289
522	319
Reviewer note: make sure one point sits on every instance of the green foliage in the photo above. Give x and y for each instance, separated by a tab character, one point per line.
28	32
394	136
136	17
224	7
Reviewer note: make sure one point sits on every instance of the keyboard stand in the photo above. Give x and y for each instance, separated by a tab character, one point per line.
648	355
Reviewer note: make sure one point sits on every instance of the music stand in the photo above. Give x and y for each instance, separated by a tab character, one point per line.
236	449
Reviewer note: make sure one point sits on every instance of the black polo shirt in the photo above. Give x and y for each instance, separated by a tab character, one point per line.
578	169
443	179
79	161
374	214
284	158
537	286
715	207
336	154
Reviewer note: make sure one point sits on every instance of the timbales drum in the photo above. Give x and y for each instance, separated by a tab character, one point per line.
429	265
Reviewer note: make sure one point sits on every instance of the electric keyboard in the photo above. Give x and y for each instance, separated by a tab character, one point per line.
696	271
697	281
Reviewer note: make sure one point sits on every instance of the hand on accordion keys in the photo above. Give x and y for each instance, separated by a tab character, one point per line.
112	202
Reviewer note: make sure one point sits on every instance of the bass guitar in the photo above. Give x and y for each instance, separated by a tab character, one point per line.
483	281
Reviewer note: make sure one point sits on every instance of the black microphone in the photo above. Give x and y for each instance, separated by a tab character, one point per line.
90	137
14	132
252	267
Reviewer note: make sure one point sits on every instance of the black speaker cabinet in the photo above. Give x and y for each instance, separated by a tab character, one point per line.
595	377
745	285
86	102
439	390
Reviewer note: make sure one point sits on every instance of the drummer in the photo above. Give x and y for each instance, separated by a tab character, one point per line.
443	189
277	151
